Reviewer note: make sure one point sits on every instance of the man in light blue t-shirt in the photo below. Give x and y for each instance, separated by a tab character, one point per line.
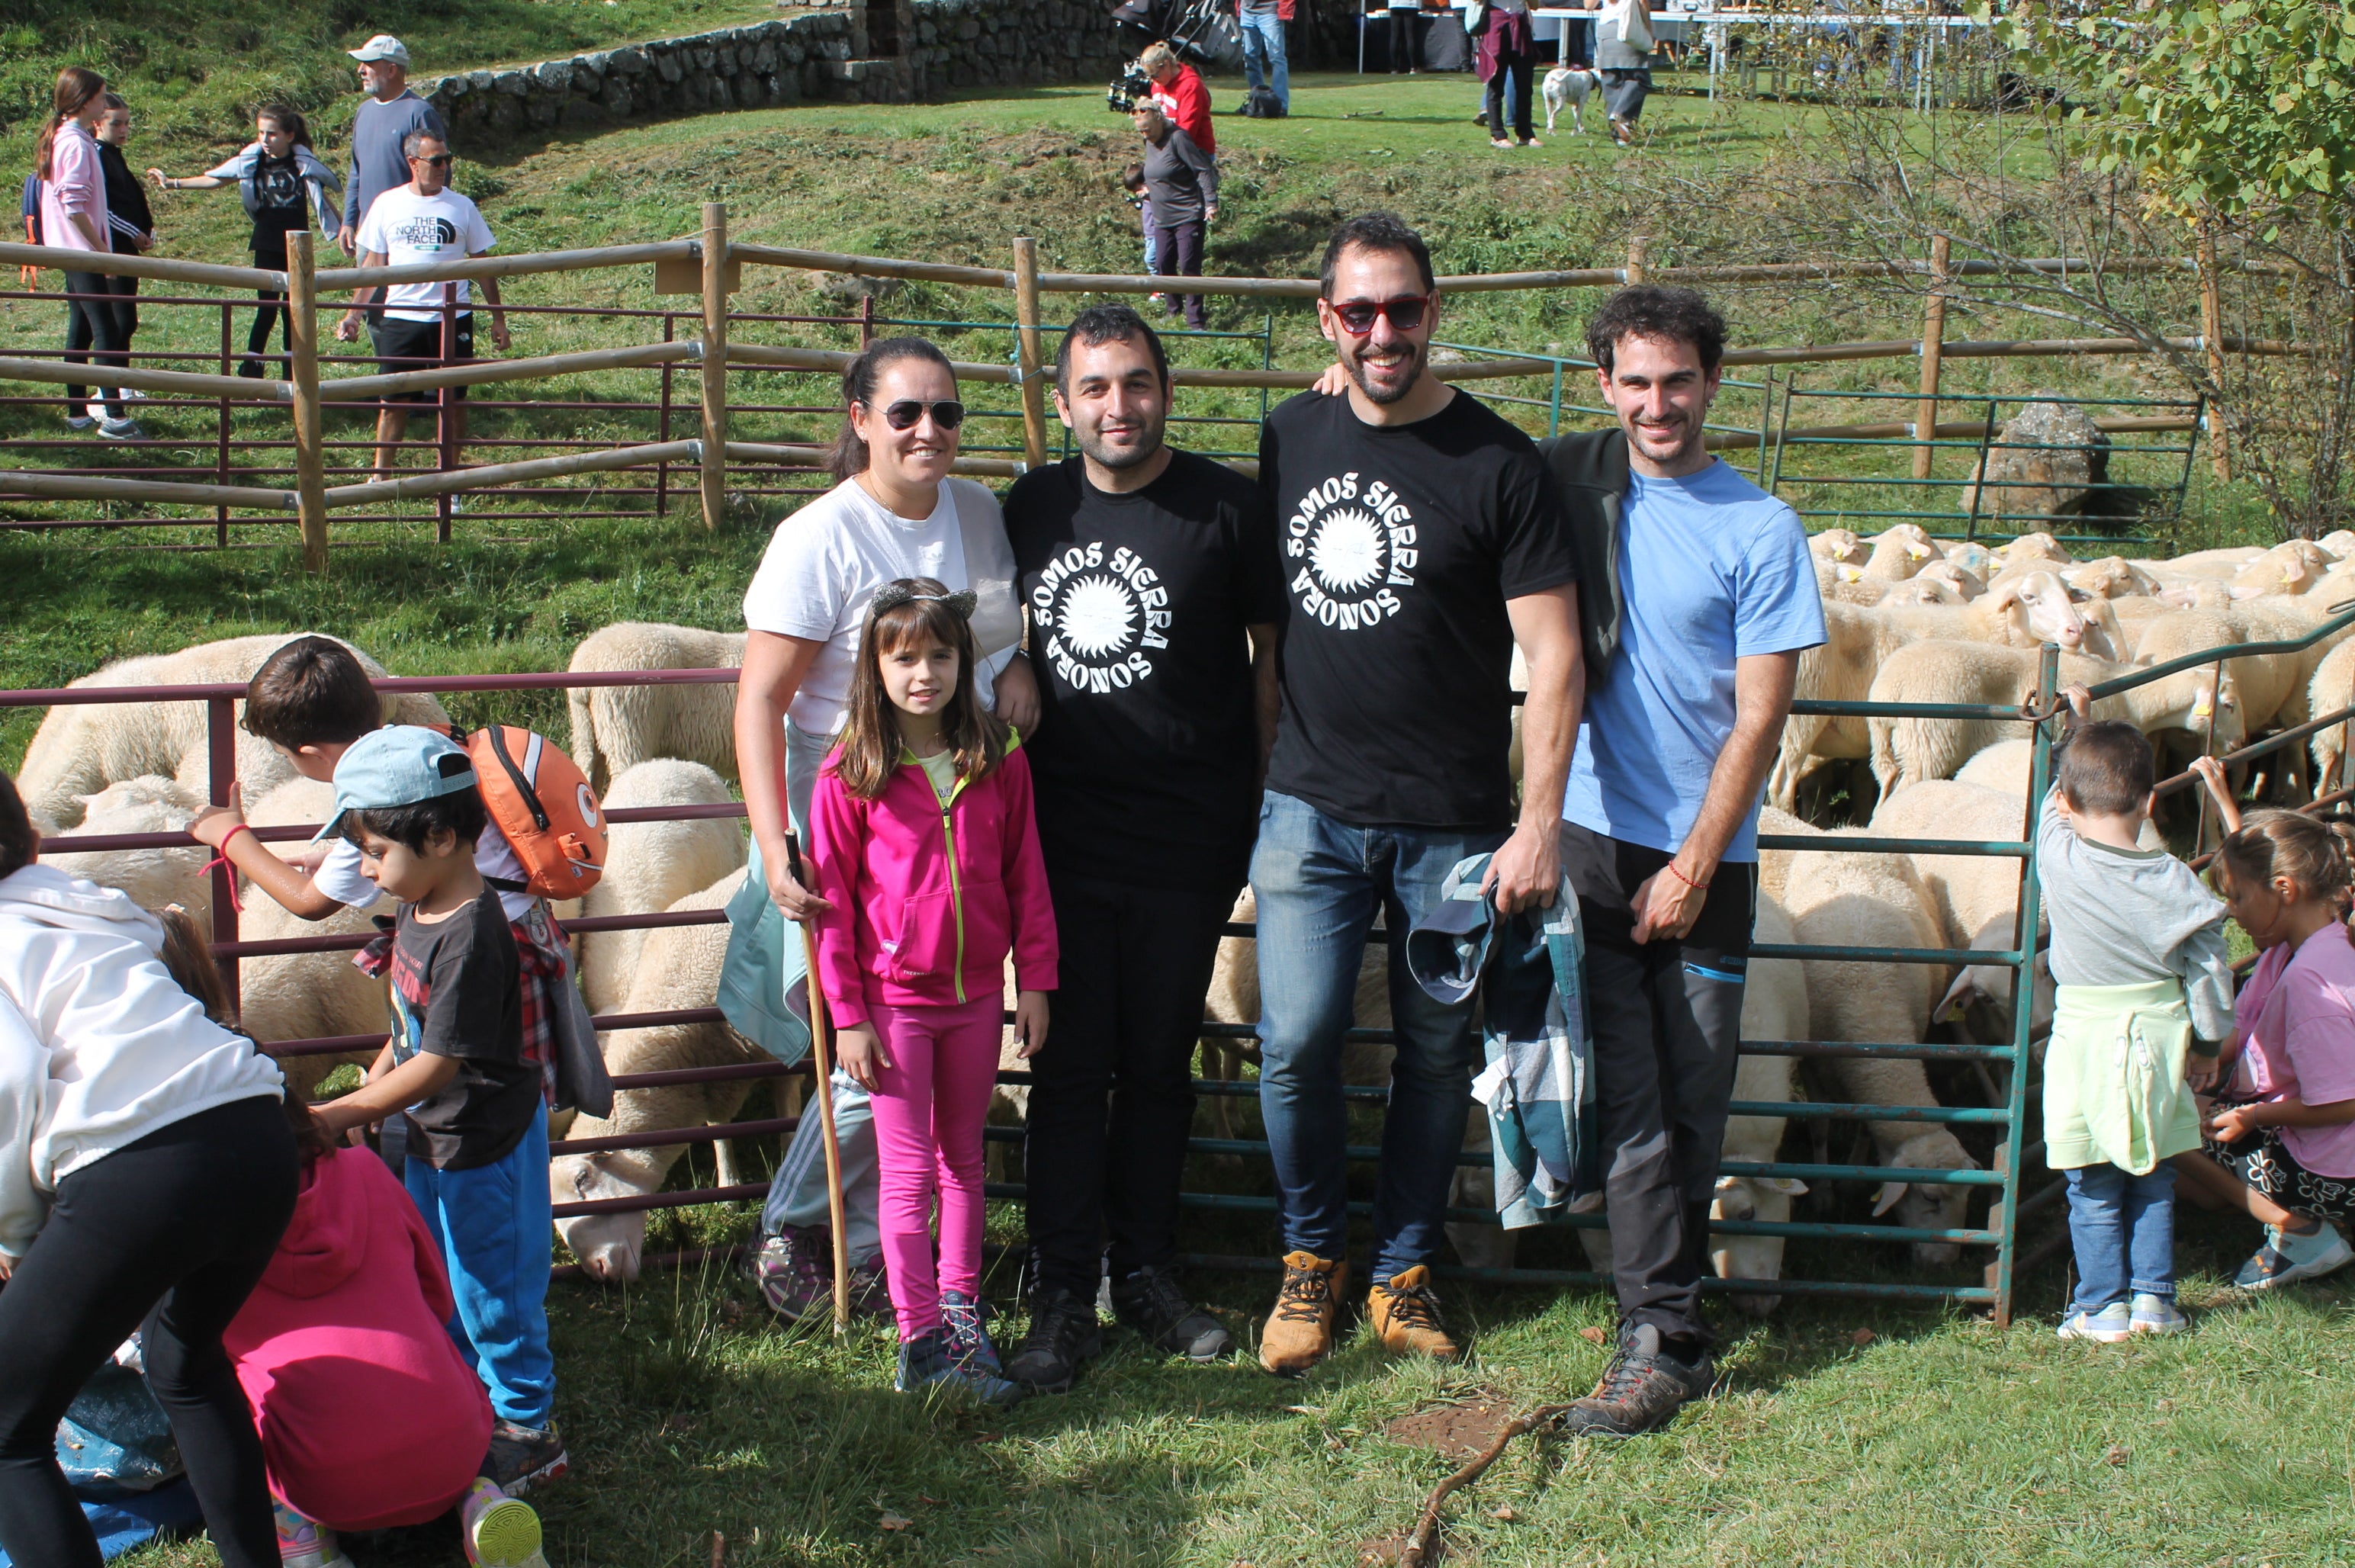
1698	598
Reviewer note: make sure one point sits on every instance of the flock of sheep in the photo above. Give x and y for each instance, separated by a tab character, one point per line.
1910	620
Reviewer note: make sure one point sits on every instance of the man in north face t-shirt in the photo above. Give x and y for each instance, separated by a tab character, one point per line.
1420	537
1149	575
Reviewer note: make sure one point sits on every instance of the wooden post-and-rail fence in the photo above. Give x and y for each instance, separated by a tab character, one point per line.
711	265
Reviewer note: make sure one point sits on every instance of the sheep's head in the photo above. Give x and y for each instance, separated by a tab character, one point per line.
1741	1198
1929	1205
1841	547
1961	578
1974	558
2216	710
2338	544
2036	607
2275	574
1924	590
2112	577
610	1246
1980	1001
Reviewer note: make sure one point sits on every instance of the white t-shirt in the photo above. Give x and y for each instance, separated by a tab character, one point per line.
823	565
340	878
410	228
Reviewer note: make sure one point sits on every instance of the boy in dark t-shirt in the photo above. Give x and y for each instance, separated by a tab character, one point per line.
1150	579
455	1070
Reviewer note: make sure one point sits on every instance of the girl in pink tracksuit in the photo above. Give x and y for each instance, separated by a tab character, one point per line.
927	861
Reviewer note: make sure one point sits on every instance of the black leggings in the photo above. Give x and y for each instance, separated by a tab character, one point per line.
271	314
100	313
176	1230
1520	66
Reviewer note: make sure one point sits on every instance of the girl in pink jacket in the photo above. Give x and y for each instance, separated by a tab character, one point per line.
928	864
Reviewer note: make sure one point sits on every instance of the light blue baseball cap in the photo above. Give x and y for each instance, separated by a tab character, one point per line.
399	765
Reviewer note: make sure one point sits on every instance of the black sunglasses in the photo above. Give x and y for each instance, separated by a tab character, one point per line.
441	161
1406	314
902	415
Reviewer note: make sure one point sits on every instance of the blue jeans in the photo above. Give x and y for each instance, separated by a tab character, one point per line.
2122	1228
1319	882
492	1225
1264	63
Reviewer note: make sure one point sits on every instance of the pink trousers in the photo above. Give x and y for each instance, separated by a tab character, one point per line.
929	1105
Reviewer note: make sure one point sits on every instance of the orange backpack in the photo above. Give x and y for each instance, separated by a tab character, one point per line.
536	794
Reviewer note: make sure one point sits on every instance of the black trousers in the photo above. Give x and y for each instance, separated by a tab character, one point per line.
1113	1102
100	313
272	313
1178	253
174	1230
1668	1019
1519	66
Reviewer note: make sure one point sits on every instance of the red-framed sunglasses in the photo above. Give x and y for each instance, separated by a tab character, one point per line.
1406	312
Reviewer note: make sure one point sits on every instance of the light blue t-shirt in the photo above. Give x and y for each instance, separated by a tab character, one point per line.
1712	568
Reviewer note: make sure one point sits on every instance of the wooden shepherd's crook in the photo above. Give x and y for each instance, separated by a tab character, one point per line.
821	1056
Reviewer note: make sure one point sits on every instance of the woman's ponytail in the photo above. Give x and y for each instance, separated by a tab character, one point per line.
2319	857
76	86
849	458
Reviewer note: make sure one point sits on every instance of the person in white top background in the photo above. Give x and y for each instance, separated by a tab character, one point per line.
894	513
421	221
147	1173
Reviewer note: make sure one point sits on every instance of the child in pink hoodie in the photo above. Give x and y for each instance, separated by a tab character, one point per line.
928	864
369	1415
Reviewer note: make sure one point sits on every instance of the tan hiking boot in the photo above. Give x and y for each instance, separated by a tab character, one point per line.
1300	1331
1405	1313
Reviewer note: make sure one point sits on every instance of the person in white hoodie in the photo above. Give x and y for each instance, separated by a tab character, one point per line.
147	1173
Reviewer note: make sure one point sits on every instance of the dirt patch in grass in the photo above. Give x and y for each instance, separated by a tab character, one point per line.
1456	1429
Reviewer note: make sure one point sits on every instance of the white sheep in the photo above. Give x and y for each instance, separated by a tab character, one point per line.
2332	688
1975	897
80	749
1907	750
650	866
1966	583
1839	547
1847	901
2111	577
678	967
304	996
2040	547
618	727
2262	682
155	879
1900	551
1974	558
2338	544
1773	1007
2003	767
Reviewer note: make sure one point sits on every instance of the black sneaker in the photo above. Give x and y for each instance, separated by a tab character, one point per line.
1150	1302
522	1458
1065	1335
1642	1389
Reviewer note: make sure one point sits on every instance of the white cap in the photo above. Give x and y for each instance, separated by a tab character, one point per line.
383	46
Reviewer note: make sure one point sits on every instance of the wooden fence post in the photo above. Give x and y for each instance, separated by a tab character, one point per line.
302	376
715	363
1025	317
2211	337
1934	343
1638	247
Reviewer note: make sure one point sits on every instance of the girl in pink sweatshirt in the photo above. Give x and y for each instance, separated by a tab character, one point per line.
928	864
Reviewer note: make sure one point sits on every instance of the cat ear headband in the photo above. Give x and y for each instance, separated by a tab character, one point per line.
890	596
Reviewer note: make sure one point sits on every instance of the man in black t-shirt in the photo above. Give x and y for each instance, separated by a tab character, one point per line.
1150	577
1420	538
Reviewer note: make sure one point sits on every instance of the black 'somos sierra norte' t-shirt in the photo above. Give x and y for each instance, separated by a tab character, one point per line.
1148	750
1400	545
456	991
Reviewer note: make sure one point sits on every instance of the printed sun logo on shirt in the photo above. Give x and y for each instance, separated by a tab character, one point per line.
1101	611
1354	546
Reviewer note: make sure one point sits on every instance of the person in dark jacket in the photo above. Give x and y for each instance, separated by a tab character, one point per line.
130	228
1182	183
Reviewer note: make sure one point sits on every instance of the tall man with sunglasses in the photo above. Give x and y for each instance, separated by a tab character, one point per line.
1421	538
1150	579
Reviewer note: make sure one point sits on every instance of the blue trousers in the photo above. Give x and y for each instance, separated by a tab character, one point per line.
1319	882
491	1224
2122	1228
1263	62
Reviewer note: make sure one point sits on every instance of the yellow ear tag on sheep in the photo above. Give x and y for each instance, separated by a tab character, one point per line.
2203	708
1918	551
1851	574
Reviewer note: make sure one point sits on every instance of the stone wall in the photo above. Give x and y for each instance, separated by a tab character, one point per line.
890	51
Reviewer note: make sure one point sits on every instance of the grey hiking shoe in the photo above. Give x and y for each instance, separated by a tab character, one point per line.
1065	1335
1641	1390
523	1457
1150	1302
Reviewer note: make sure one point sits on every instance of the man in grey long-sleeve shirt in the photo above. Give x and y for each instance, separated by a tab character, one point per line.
390	114
1182	182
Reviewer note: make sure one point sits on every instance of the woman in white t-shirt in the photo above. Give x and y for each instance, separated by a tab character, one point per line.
895	513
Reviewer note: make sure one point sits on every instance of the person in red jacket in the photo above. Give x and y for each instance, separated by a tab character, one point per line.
931	876
1177	88
1262	23
369	1415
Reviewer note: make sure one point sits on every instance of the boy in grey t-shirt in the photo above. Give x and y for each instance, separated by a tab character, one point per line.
2143	1002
